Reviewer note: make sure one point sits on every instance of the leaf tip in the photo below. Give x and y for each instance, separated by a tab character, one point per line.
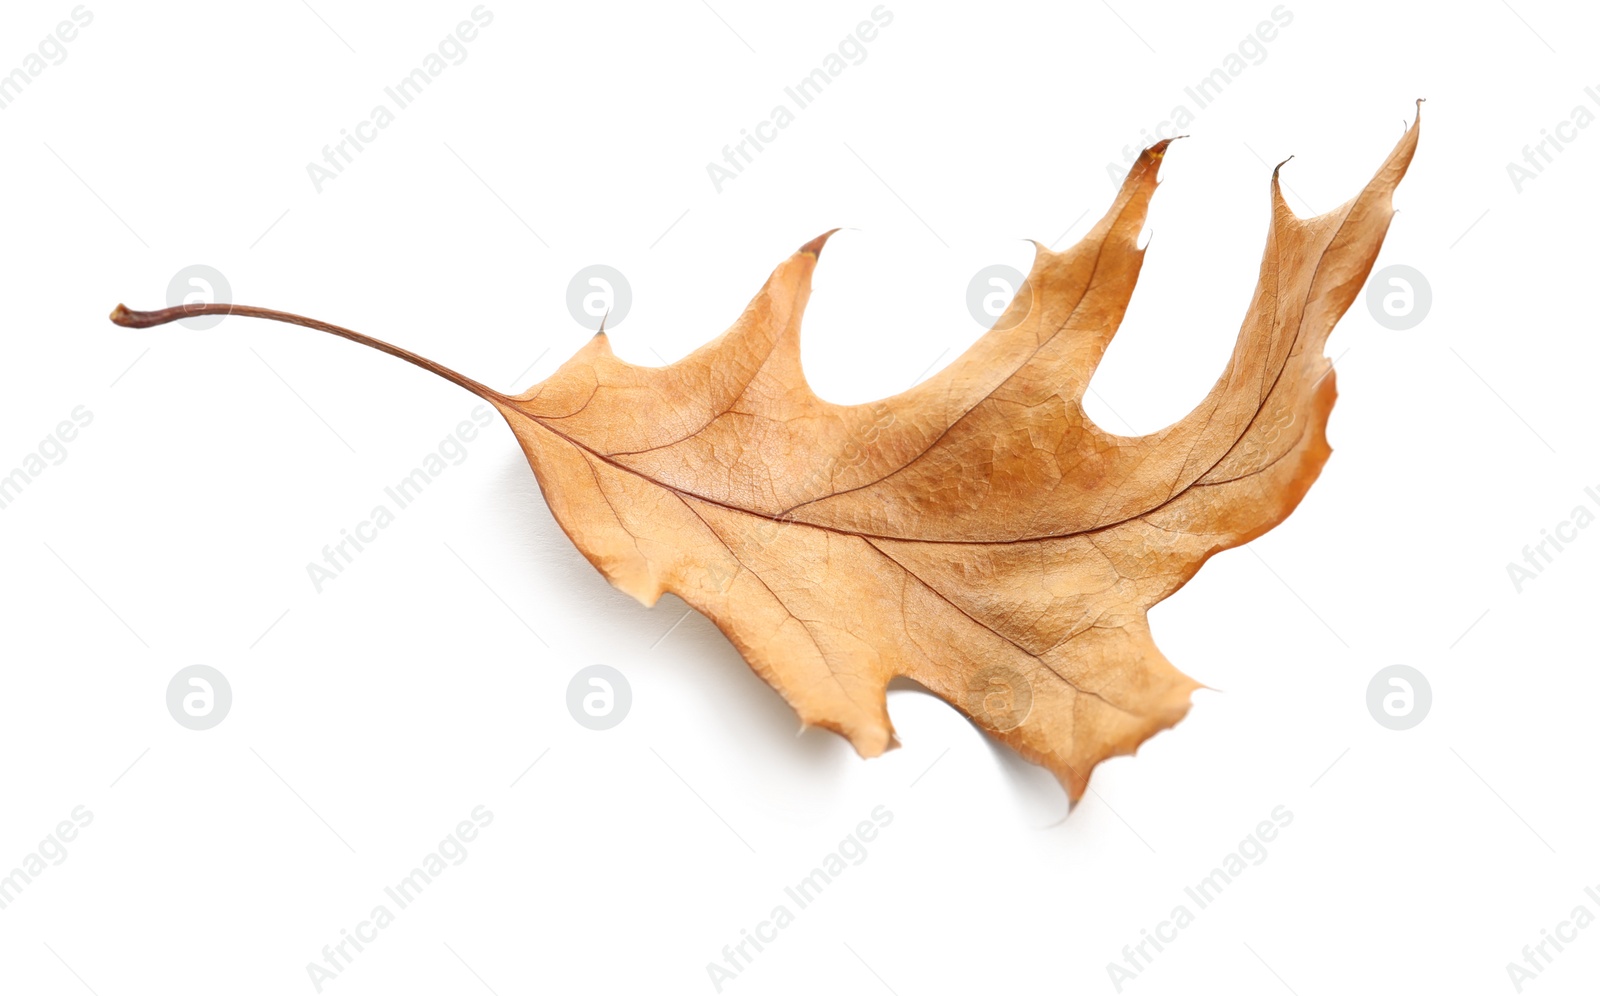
814	247
1407	128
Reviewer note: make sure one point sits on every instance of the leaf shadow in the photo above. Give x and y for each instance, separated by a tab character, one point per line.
760	726
1033	789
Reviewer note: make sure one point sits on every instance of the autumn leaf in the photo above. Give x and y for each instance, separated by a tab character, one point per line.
978	533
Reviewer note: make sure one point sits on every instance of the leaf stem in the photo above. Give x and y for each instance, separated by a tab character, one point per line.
147	319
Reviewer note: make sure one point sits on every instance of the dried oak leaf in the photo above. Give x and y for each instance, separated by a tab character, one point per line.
977	533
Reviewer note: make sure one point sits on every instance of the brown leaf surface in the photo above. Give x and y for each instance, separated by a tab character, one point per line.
977	533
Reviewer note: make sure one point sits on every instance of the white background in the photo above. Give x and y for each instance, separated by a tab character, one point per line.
370	719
